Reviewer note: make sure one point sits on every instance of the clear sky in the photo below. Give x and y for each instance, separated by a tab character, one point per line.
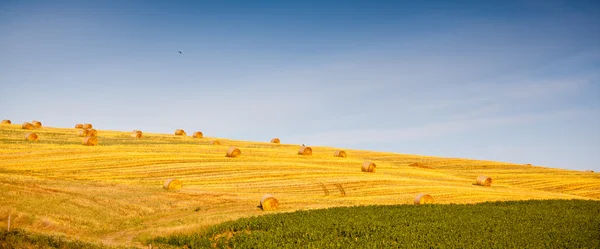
513	81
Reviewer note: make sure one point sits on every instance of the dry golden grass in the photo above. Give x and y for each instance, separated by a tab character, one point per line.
113	192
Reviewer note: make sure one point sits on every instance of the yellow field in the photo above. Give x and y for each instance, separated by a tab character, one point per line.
113	192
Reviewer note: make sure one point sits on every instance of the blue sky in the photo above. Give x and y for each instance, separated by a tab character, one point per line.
513	81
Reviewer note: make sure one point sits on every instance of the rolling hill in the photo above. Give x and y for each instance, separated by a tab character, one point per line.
113	192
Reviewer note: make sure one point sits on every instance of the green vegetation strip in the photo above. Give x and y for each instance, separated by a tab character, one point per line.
514	224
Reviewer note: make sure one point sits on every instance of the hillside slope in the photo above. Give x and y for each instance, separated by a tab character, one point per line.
113	192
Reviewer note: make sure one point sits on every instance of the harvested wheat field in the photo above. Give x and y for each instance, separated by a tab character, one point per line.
114	193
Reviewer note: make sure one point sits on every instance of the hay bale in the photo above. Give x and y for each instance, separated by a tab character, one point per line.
420	165
90	141
78	126
83	133
87	126
275	140
216	142
172	184
27	126
180	132
233	152
368	167
528	164
198	134
589	170
305	151
269	203
339	153
36	124
88	133
6	121
423	199
31	137
484	181
136	134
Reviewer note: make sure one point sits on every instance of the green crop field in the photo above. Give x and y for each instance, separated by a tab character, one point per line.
513	224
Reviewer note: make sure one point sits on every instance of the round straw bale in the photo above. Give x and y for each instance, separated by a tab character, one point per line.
172	184
92	133
90	141
6	121
275	140
136	134
305	151
484	181
269	203
31	137
36	124
339	153
27	126
368	167
198	134
420	165
423	199
78	126
589	170
233	152
180	132
83	132
216	142
87	126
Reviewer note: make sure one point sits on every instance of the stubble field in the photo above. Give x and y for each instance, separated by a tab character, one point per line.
113	192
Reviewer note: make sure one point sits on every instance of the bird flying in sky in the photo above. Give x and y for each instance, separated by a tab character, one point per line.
179	52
